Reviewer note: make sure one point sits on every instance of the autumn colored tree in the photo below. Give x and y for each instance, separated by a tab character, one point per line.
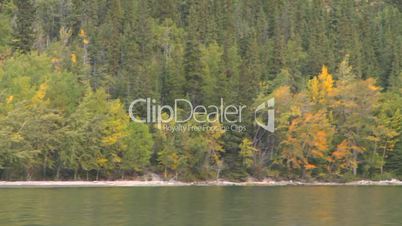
307	143
353	107
321	87
89	60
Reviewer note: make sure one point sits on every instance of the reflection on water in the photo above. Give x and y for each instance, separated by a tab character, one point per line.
211	206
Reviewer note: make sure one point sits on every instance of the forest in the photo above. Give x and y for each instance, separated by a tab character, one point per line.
69	70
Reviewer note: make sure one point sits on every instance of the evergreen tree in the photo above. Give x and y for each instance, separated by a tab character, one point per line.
23	31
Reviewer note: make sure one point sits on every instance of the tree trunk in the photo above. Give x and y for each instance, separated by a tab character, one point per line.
218	172
44	166
29	175
58	172
383	159
355	167
97	174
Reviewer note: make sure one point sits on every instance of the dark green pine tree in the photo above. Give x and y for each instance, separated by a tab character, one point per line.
200	22
250	70
23	31
196	35
165	9
319	46
112	34
396	3
93	12
368	26
135	80
192	70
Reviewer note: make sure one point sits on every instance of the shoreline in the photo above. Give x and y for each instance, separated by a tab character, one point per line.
131	183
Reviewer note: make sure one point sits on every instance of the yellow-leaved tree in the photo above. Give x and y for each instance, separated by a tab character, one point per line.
321	87
343	157
306	145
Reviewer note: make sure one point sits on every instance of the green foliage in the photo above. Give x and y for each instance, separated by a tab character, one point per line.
5	26
76	66
23	32
138	151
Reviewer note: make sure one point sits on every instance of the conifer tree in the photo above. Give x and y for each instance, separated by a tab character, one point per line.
23	31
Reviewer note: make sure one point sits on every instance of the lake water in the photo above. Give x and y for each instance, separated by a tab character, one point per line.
209	206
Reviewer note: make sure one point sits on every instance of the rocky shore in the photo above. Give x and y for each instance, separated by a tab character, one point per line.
160	183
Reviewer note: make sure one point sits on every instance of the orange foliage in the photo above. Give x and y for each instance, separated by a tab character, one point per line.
310	166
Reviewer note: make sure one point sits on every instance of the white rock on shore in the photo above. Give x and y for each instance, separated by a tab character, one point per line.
161	183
